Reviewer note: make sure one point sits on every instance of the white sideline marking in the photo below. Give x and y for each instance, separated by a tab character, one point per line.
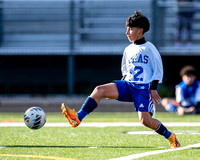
101	124
139	155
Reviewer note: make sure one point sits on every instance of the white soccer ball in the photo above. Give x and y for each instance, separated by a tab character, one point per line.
35	118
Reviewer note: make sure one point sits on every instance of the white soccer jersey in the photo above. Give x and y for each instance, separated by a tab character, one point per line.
142	63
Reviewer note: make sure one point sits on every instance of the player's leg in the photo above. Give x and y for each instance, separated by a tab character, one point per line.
147	120
144	106
103	91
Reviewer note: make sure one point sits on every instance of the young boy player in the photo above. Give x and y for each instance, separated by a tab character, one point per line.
142	70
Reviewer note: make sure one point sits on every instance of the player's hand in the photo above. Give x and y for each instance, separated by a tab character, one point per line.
155	97
191	109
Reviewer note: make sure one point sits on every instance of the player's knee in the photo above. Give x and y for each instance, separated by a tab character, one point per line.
99	90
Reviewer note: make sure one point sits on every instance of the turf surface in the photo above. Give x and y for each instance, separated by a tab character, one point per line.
94	143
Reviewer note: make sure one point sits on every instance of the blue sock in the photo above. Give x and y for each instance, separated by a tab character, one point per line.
81	114
162	130
88	106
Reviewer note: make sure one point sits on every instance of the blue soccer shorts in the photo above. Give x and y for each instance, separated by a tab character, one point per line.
128	92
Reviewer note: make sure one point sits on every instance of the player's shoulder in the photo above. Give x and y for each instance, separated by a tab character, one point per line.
150	45
152	48
130	46
181	84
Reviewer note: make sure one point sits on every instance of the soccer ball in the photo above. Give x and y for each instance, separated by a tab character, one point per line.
34	118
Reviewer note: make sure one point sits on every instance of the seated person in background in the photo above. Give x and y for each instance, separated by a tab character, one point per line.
187	94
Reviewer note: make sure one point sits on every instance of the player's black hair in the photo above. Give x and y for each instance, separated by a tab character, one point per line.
188	70
138	20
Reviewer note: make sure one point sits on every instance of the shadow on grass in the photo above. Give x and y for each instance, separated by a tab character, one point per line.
39	146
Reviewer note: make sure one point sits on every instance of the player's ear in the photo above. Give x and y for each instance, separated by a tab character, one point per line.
142	30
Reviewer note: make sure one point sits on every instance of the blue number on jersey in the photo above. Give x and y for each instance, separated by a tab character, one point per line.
139	70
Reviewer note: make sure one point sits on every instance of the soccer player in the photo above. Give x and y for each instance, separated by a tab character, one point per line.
187	94
142	70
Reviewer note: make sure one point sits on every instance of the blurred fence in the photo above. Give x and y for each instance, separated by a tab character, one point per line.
169	22
66	26
63	27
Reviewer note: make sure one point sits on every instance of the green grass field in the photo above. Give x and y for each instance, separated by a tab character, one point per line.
94	143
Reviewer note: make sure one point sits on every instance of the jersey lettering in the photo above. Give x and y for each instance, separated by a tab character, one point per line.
146	59
140	59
